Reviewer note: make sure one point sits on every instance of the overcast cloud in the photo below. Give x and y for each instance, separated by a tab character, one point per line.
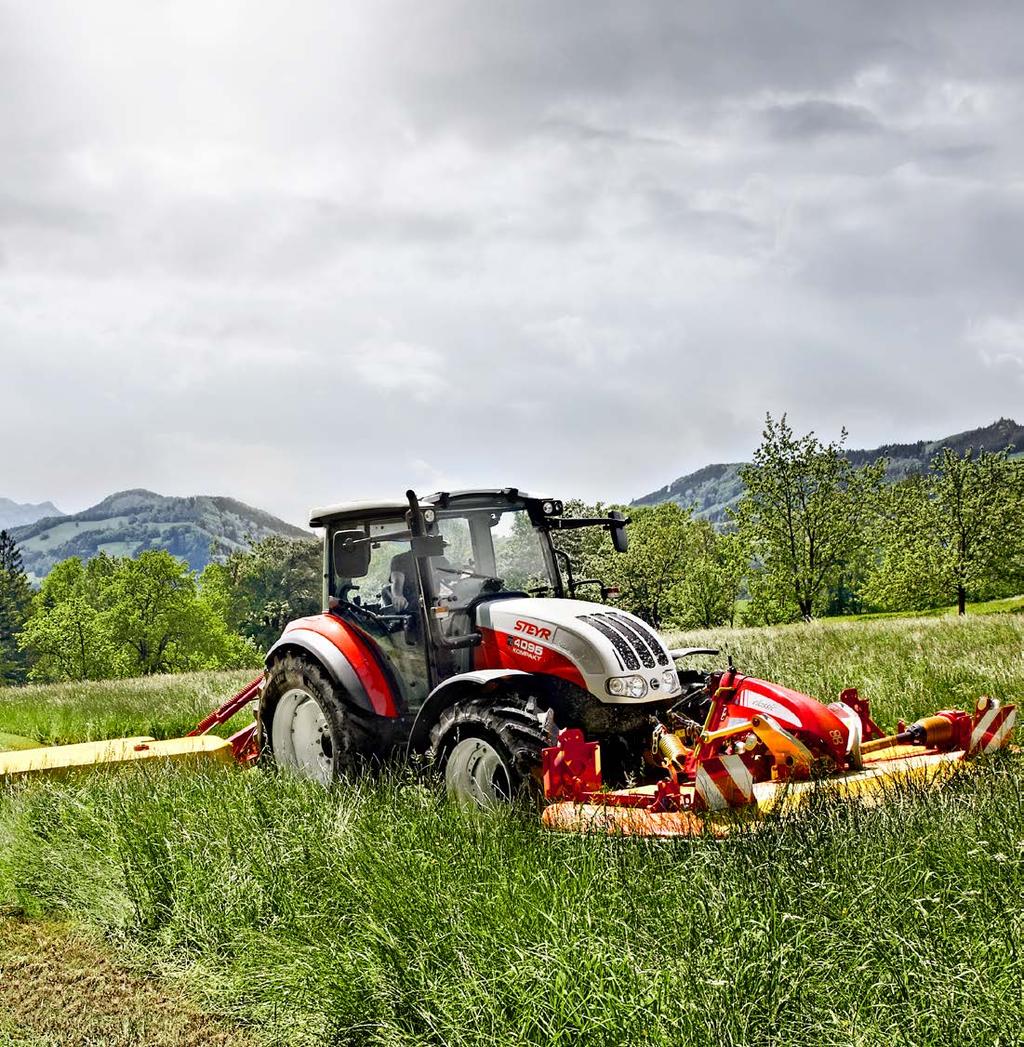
302	252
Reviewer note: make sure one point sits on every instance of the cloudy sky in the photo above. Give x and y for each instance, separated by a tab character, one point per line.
302	252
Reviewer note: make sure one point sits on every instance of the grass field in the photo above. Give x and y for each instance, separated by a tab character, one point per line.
1006	605
376	913
159	706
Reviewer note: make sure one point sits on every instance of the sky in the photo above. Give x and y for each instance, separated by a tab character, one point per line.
310	252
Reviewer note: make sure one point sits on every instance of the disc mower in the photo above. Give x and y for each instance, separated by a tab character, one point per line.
454	633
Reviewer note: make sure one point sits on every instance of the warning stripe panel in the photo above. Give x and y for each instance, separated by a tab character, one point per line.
740	775
992	729
981	727
724	781
707	789
998	732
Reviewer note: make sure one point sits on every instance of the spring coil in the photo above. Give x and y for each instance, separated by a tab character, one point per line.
672	751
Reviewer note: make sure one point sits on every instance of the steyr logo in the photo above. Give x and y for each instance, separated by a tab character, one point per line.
533	630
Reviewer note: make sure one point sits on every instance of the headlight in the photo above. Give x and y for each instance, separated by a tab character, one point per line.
670	679
627	686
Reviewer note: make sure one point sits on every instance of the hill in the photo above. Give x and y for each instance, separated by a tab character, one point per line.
15	514
715	489
196	529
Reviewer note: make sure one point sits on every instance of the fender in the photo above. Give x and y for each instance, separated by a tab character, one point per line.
447	693
346	655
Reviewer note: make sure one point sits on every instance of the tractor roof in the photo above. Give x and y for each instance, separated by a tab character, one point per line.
362	510
371	509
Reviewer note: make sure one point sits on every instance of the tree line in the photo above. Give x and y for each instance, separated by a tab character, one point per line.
812	535
115	616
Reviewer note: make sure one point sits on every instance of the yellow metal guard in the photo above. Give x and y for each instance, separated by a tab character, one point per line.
62	759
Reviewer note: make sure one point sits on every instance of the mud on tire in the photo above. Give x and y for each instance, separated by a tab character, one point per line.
308	726
489	749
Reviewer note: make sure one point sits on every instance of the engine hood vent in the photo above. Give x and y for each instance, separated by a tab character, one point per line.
634	643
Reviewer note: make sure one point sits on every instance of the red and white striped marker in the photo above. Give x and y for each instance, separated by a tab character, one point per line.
724	781
992	727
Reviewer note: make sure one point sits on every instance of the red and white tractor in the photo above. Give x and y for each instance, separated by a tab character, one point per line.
451	629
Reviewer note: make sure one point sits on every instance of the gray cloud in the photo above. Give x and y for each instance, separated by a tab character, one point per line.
817	117
299	254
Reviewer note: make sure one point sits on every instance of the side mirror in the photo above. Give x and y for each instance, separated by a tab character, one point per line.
350	554
620	540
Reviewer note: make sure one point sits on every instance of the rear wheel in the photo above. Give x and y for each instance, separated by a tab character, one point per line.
308	727
490	749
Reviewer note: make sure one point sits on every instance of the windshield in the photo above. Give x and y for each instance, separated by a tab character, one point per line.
489	550
486	550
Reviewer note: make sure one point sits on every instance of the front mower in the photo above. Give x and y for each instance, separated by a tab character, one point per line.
759	748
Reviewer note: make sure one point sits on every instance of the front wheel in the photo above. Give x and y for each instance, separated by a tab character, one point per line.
490	749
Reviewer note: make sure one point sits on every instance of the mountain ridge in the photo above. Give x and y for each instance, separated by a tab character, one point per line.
195	528
715	489
21	514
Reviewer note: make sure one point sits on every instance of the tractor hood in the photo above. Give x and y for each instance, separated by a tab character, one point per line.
590	644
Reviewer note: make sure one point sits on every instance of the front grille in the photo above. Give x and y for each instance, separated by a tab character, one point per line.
634	643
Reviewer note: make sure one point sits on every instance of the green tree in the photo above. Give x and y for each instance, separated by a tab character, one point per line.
15	605
260	589
64	635
804	513
649	574
715	568
156	614
953	534
677	571
125	617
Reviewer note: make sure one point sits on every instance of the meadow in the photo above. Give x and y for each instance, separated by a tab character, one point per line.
376	913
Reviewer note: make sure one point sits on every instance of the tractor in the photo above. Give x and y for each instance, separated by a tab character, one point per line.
453	630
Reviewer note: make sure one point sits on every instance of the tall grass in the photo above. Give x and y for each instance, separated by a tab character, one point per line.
907	667
159	706
378	914
375	913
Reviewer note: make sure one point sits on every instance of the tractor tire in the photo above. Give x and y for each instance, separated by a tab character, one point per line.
308	727
489	749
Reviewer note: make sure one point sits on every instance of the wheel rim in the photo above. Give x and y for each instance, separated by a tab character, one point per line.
476	776
301	736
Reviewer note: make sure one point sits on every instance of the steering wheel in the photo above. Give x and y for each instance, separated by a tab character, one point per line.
368	617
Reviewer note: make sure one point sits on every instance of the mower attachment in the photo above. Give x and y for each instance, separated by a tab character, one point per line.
197	747
63	759
749	768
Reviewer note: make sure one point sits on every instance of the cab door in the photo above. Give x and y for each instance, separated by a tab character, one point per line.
384	603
